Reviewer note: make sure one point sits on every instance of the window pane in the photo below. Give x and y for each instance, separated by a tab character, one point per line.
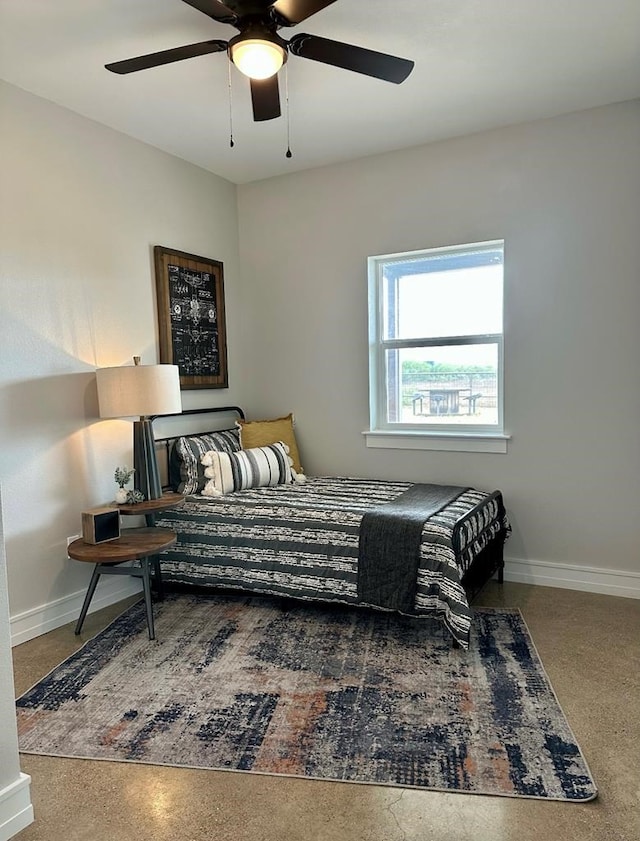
443	385
421	300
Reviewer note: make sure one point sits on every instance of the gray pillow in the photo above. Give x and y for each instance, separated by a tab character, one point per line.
186	472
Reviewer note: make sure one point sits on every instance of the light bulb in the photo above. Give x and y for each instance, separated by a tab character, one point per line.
256	58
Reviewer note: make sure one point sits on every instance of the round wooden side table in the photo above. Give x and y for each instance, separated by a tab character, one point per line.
133	544
150	507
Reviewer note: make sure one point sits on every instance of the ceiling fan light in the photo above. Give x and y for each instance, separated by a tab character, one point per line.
257	58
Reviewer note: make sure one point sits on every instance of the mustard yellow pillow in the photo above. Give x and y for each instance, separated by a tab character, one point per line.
264	432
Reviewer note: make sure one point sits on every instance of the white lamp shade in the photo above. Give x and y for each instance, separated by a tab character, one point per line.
138	390
257	58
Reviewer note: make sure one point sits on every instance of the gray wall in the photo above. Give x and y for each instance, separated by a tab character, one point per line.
81	208
565	196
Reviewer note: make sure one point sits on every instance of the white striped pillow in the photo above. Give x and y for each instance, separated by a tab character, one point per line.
258	467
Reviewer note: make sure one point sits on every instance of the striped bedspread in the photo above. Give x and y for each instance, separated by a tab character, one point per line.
302	541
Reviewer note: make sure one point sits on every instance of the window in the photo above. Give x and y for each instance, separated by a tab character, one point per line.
435	336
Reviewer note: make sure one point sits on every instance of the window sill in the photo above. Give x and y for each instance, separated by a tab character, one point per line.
446	441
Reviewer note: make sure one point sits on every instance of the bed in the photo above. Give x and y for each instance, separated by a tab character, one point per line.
308	539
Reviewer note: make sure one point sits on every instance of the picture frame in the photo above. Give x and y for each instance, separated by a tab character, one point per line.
191	317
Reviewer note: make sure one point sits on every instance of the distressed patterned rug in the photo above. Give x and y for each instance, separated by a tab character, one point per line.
253	684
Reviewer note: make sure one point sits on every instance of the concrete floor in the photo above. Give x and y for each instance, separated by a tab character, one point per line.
590	646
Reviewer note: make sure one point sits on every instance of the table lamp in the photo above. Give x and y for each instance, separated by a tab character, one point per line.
142	390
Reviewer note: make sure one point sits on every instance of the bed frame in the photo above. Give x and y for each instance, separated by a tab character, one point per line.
163	444
486	564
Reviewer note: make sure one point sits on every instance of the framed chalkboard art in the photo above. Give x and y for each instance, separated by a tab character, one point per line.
191	322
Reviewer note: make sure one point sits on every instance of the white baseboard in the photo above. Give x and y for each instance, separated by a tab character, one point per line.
609	582
16	811
46	617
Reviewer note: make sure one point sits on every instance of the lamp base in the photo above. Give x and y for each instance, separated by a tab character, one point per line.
147	476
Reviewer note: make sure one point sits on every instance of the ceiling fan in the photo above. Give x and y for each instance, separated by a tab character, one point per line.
259	52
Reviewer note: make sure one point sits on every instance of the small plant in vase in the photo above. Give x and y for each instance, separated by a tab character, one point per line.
122	477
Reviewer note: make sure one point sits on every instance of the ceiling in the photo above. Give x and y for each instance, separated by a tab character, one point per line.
479	64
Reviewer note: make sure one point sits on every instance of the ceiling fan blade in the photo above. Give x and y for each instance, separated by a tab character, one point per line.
265	97
379	65
214	9
143	62
248	7
291	12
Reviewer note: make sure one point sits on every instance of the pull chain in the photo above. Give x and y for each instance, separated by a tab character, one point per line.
286	95
231	144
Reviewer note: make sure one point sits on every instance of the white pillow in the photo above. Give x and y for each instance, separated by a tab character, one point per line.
258	467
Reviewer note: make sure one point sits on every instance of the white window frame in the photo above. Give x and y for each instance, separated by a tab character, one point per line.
407	435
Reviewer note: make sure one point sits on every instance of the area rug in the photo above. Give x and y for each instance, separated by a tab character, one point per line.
334	693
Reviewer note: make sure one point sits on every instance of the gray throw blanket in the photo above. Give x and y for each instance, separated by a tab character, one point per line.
389	545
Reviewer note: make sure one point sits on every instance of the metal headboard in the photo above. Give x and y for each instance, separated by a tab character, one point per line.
165	442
